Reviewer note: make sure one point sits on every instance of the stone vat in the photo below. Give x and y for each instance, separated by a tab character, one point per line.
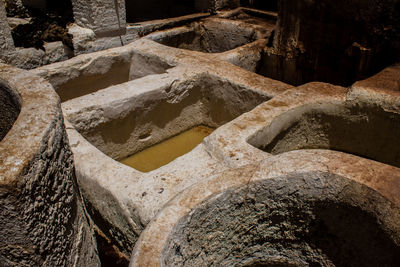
42	217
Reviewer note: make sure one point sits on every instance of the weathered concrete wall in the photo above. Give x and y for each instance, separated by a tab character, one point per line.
104	17
6	41
42	217
300	220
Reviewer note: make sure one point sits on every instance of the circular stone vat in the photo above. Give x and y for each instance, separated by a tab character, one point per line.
363	129
309	219
10	106
41	217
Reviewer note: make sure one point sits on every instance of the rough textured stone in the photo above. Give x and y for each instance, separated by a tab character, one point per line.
6	41
214	5
333	41
374	193
153	77
387	79
209	36
222	4
297	209
43	220
105	18
123	100
306	219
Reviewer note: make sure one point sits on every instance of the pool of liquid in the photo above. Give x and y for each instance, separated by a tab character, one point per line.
163	153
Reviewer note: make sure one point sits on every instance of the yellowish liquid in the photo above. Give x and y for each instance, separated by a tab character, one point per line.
163	153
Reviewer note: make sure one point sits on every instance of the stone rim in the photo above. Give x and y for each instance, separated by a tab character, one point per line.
39	106
382	178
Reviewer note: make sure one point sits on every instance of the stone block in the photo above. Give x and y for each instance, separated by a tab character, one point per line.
105	18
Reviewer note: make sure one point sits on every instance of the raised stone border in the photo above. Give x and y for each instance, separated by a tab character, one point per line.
42	218
260	197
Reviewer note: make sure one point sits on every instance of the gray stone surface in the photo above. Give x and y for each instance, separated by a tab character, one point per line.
104	17
42	217
295	209
6	41
299	220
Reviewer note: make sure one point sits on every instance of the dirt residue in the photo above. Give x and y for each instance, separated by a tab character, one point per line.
47	25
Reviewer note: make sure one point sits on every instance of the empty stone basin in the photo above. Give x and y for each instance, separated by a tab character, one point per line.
362	129
121	128
209	36
312	218
87	74
288	222
10	106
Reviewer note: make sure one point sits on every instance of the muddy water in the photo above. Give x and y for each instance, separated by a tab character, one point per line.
161	154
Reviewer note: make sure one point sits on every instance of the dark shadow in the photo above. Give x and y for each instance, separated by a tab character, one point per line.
138	11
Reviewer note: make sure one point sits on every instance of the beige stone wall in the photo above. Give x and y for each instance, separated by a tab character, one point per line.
104	17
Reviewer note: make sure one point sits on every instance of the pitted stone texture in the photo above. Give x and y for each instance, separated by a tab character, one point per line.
6	41
221	4
104	17
42	214
387	80
304	220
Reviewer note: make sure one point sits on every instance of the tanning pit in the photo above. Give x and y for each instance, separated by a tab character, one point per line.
274	227
362	129
121	128
247	218
208	36
101	70
39	199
